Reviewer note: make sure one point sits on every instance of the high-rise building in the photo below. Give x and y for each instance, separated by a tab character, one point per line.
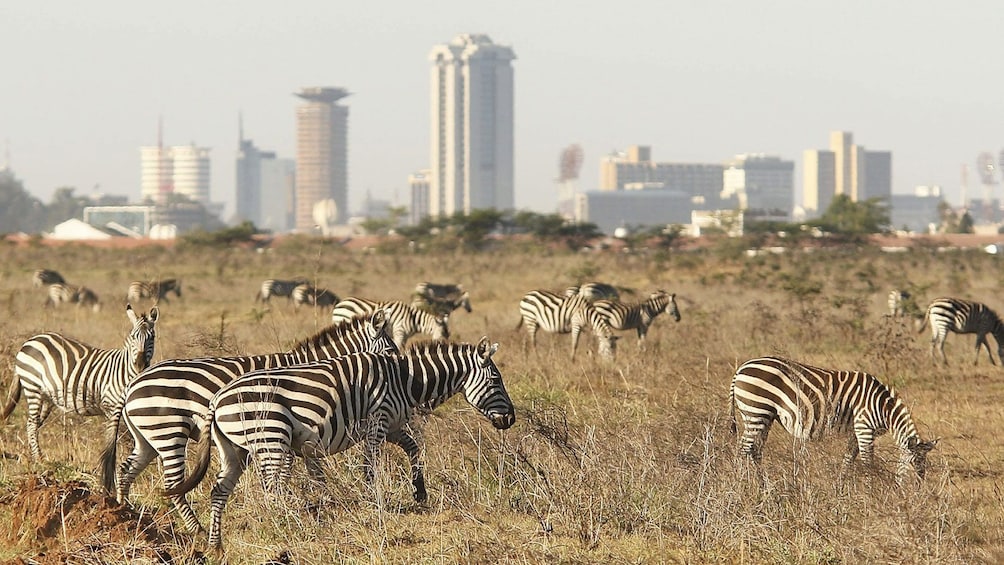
418	187
845	168
321	154
634	168
760	182
472	126
182	169
265	187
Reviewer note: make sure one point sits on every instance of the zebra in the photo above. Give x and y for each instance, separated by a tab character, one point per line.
440	298
312	295
326	407
62	293
45	277
163	405
808	401
896	301
405	319
157	290
963	317
638	316
57	371
276	287
592	291
553	313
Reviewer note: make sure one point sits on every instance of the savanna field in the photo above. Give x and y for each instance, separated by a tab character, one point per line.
630	461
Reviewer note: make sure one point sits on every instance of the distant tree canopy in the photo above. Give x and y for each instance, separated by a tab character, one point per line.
19	211
846	217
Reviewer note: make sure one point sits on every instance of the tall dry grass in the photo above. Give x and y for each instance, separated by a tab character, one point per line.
630	461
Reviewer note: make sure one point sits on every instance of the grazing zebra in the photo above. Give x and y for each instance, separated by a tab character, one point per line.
56	371
963	317
440	298
313	296
593	291
326	407
556	314
164	405
406	320
157	290
808	401
45	277
276	287
896	301
638	316
62	293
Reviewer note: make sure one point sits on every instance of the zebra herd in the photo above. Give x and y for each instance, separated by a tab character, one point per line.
60	292
354	382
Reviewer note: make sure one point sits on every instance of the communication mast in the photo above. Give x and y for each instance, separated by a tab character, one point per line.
568	167
985	167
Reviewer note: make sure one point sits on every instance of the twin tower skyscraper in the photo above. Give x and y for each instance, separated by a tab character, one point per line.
471	139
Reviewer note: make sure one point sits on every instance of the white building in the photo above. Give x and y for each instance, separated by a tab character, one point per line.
472	126
418	187
182	169
760	182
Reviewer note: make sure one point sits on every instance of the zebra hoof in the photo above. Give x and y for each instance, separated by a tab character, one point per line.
421	496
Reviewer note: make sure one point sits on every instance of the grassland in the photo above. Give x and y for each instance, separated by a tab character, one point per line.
624	462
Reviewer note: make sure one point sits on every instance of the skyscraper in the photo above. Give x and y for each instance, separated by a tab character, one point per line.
265	187
845	168
472	126
321	153
182	169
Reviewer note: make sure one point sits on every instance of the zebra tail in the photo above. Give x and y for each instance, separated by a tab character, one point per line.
202	450
13	396
519	324
108	454
923	323
732	407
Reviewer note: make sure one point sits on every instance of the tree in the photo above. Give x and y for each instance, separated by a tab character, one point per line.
846	217
19	211
64	205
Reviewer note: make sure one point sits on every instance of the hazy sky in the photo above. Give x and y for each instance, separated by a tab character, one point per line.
84	82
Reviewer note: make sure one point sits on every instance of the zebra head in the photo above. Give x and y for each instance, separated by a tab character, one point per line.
465	300
438	327
915	455
381	333
671	308
141	340
485	390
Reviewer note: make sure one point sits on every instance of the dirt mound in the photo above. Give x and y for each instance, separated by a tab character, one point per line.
67	522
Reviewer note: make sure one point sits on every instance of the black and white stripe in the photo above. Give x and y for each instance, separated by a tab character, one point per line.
278	287
326	407
405	319
963	317
809	401
165	404
45	277
55	371
62	293
440	298
594	291
638	316
541	309
313	296
156	290
896	301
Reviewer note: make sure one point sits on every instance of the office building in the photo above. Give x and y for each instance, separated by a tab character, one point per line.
265	187
418	187
844	168
760	182
321	154
472	126
634	168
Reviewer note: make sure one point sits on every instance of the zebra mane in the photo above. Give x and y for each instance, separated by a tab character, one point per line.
424	348
351	325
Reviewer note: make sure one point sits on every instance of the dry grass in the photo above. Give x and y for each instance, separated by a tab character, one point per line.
629	461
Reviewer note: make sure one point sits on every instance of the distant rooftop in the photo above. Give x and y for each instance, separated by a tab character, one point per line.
329	94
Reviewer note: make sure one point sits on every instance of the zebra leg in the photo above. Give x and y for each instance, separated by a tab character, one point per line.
853	448
410	446
232	462
38	412
755	432
642	331
575	339
375	436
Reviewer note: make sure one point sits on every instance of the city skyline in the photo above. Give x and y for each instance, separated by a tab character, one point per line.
701	83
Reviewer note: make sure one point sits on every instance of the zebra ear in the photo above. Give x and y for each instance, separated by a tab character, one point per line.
130	313
378	320
154	314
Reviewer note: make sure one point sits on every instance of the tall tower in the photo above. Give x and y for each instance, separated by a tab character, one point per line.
472	126
156	169
321	153
190	172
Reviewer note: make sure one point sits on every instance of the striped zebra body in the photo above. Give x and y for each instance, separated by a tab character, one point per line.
164	405
963	317
896	301
405	319
593	291
156	290
45	277
277	287
440	299
313	296
809	401
638	316
54	371
62	293
326	407
541	309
